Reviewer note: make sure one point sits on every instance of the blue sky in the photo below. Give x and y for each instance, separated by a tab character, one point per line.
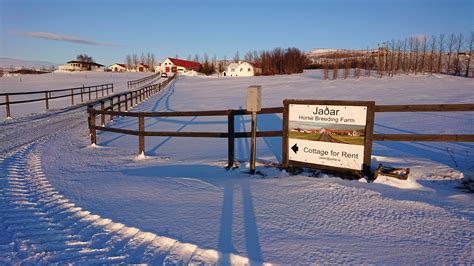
108	30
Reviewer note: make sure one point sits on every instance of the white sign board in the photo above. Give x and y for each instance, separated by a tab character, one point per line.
327	135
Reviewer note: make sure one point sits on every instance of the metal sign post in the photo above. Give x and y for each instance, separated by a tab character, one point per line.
254	104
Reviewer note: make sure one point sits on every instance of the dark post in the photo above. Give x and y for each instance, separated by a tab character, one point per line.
112	88
89	93
102	90
102	115
72	96
141	93
126	101
82	94
230	139
253	143
111	108
141	136
92	125
284	141
46	100
96	92
7	106
119	103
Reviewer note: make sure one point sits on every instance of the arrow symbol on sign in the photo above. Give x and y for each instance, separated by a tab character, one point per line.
295	148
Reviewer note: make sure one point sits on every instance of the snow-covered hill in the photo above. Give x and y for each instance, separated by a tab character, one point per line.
13	64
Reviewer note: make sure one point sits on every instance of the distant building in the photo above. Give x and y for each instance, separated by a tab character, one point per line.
81	66
174	65
240	69
157	68
142	68
118	68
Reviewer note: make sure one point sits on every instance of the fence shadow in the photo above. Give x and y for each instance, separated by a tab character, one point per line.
233	183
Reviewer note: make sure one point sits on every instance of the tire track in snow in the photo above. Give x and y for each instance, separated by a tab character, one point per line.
39	225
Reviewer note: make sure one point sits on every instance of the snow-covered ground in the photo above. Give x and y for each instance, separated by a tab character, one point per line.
62	200
57	81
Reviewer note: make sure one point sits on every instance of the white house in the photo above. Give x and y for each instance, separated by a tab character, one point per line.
240	69
81	66
173	65
118	67
157	68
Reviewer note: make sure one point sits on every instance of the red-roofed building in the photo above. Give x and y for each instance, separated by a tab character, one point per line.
173	65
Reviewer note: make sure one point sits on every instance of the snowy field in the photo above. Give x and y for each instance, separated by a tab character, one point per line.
57	81
62	200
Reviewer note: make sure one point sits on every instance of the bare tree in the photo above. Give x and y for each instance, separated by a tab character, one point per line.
457	62
135	60
357	69
451	43
440	53
196	58
468	63
249	57
326	70
368	65
346	68
424	46
128	61
237	57
335	70
432	55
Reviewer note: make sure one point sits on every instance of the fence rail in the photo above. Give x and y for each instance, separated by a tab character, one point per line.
53	94
231	135
139	82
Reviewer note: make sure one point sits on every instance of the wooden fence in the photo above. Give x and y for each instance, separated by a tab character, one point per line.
46	96
231	135
132	84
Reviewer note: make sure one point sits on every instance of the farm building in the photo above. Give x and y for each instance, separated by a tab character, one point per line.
118	68
173	65
81	66
142	68
240	69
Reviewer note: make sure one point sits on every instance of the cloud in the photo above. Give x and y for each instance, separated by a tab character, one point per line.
64	38
419	37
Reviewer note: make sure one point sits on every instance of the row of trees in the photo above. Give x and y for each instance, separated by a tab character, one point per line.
133	60
422	54
415	55
276	61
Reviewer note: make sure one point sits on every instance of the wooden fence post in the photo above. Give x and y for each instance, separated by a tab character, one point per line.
96	93
141	136
102	115
119	103
72	96
7	105
111	108
82	94
112	88
46	100
89	93
230	139
102	89
126	101
92	125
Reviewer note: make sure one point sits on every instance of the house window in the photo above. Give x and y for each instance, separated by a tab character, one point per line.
232	69
248	69
240	69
